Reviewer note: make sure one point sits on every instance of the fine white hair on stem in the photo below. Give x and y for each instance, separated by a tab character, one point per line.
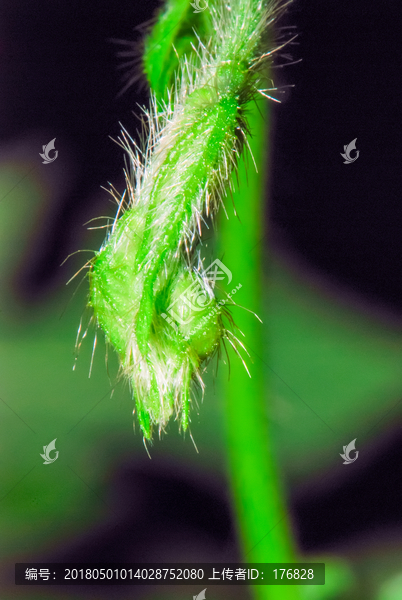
177	177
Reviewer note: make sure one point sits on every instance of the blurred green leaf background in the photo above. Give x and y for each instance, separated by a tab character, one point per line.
335	372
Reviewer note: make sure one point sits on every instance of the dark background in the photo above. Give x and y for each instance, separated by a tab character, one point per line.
339	223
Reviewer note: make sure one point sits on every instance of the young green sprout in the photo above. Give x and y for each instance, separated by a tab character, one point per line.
149	289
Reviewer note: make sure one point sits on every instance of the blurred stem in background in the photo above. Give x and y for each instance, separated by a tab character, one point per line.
257	495
258	498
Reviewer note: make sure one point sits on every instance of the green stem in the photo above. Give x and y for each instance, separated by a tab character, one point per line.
258	497
174	27
259	501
